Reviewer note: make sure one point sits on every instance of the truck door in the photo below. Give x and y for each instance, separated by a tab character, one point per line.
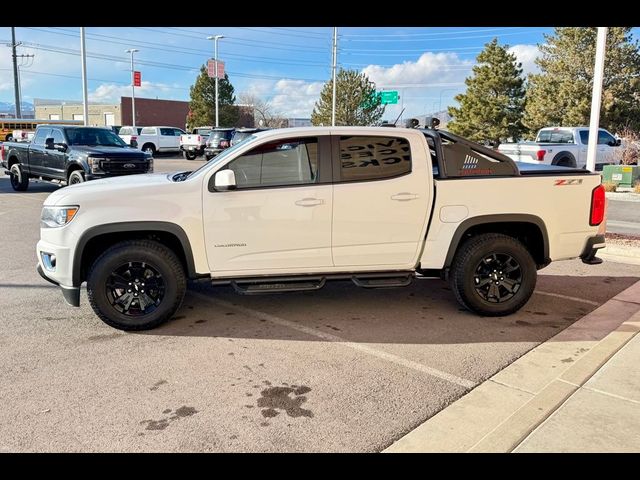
380	201
37	152
278	219
607	148
166	138
54	160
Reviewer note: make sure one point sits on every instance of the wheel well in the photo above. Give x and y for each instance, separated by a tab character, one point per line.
73	168
98	244
12	160
529	234
564	155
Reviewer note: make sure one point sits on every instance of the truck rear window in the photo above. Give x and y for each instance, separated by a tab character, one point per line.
555	136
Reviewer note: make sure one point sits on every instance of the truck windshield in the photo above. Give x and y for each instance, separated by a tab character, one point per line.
94	137
221	156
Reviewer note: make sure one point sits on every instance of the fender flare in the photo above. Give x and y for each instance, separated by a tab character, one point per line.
497	218
120	227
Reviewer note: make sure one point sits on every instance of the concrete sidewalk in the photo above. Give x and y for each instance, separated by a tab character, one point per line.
577	392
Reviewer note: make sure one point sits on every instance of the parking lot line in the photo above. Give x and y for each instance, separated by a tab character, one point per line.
463	382
567	297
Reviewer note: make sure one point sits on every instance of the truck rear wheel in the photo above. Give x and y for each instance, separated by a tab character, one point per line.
19	181
136	285
189	155
493	275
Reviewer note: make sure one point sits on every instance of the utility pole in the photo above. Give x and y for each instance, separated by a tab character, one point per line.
15	72
215	39
596	98
335	59
83	54
133	91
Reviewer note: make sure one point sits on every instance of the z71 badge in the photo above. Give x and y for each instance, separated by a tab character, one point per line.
571	181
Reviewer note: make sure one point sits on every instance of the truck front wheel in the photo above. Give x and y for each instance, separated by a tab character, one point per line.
136	285
19	181
493	275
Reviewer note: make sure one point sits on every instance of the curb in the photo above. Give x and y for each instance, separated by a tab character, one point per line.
620	254
501	412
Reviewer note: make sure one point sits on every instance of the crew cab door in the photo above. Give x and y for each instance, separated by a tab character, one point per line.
608	151
37	152
278	218
381	200
54	160
167	139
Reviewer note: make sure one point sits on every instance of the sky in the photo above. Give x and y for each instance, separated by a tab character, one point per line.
284	65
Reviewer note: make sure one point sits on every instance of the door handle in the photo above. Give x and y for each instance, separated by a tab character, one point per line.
404	196
309	202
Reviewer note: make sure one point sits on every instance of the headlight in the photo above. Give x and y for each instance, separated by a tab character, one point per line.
53	217
150	165
94	164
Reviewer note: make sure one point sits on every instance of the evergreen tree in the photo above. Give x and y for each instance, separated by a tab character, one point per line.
356	101
491	109
561	94
203	101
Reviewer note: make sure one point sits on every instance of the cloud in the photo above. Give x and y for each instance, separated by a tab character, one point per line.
289	98
111	93
431	69
526	54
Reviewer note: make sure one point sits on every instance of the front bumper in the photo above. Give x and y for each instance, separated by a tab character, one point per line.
71	294
589	253
62	273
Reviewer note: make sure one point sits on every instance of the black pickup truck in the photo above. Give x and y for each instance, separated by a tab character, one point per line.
71	154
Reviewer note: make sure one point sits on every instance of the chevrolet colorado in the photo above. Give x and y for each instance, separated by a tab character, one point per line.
289	209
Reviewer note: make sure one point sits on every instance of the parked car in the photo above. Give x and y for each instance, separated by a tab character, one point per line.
566	147
241	133
159	139
130	135
219	139
70	154
339	203
192	144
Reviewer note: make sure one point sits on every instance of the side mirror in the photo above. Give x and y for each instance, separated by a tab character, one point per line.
61	147
224	180
133	143
618	142
48	144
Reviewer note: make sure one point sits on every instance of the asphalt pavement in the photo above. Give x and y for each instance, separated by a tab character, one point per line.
340	369
623	216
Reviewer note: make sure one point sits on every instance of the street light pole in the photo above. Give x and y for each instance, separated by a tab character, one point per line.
85	102
335	61
133	91
596	98
215	39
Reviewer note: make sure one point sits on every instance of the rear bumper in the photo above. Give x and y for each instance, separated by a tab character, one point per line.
197	149
71	294
593	245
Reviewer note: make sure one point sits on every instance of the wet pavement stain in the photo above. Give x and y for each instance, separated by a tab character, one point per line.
522	322
332	327
234	437
269	413
179	317
229	313
157	384
200	321
540	313
163	423
567	360
284	398
265	424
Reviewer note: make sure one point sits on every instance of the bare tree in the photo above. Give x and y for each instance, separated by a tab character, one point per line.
263	111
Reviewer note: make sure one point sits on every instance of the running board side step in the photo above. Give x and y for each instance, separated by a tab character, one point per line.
262	285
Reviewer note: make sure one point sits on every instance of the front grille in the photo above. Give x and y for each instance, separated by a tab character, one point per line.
116	166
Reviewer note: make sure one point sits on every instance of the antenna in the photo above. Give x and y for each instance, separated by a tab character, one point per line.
394	123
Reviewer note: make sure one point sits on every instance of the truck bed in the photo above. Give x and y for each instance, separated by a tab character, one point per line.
543	169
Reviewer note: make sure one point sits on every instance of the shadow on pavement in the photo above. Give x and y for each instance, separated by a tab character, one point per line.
424	313
34	187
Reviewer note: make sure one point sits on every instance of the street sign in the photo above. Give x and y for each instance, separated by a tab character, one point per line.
137	79
211	68
389	97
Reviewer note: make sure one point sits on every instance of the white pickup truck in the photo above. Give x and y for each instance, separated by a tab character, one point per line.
290	209
153	139
566	147
193	144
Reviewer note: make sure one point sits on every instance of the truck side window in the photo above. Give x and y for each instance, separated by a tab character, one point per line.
167	132
57	136
373	158
41	135
605	139
293	161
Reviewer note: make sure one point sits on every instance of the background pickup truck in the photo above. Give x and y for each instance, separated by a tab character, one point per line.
566	147
290	209
69	154
154	139
192	144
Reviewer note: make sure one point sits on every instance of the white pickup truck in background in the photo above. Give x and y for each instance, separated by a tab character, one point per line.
193	144
566	147
290	209
153	139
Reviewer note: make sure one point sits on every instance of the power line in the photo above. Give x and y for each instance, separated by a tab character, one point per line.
378	35
450	39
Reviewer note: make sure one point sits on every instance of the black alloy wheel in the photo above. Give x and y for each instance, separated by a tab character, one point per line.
498	277
135	289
